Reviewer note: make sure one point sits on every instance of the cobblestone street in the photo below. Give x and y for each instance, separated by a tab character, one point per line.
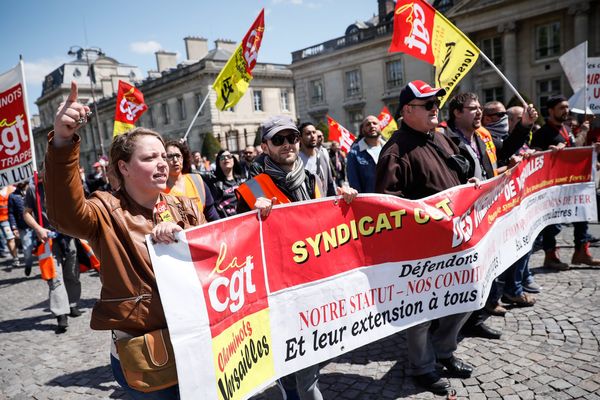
549	351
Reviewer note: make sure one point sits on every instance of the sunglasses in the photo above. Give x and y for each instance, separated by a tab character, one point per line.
498	114
428	105
278	140
173	156
225	157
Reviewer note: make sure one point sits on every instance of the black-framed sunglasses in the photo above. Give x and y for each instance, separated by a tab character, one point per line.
292	138
173	156
225	157
498	114
428	105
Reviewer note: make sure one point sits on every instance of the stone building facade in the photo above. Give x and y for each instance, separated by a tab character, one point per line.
173	94
524	39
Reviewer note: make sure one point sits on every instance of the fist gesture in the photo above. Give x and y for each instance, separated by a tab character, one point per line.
530	115
70	116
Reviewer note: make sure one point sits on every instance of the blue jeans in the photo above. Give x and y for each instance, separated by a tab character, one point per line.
164	394
514	279
580	235
26	236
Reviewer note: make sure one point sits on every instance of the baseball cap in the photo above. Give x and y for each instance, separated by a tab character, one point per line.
277	124
418	90
96	165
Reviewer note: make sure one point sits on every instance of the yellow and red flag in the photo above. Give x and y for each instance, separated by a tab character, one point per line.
235	77
424	33
340	134
130	107
387	123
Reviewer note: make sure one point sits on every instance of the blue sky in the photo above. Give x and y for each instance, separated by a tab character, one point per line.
43	31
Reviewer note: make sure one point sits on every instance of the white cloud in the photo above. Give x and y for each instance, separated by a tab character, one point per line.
36	71
147	47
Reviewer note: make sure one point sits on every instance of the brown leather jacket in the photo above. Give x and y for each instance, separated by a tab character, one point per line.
115	226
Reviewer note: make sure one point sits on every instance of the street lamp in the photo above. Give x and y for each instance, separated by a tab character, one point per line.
79	52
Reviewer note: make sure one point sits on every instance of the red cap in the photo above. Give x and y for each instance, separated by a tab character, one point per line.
418	90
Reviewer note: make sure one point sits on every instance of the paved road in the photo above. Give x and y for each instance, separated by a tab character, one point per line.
550	351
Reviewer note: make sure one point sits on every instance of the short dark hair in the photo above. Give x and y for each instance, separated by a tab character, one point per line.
458	102
185	154
552	101
237	168
304	125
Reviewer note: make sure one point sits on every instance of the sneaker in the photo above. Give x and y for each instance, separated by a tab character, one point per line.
582	255
532	287
16	263
63	323
552	261
523	300
75	312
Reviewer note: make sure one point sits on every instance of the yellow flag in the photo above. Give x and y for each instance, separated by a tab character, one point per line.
235	77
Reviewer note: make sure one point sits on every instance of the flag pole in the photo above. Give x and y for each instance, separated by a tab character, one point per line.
196	116
585	86
482	55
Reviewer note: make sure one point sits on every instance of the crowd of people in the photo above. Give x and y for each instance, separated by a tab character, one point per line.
158	187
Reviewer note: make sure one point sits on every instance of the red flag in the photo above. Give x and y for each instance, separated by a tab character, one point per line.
130	106
387	123
340	134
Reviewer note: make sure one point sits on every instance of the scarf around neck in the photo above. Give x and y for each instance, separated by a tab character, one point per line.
293	181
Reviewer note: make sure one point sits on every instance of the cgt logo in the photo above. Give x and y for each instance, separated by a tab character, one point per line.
129	105
225	292
419	35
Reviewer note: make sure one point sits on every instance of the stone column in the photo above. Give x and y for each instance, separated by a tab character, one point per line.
509	57
580	21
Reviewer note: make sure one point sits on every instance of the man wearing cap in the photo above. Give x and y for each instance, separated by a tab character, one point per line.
97	180
285	180
554	135
412	164
363	156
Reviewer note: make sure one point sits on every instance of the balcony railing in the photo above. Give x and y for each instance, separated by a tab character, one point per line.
344	41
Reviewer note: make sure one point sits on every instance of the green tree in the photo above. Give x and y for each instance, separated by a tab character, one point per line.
210	146
258	137
323	127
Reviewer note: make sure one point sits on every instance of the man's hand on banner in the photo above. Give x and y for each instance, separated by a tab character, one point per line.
475	181
70	116
530	115
264	206
557	147
347	193
165	232
514	160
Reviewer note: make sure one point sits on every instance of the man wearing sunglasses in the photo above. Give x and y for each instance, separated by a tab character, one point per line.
413	165
285	180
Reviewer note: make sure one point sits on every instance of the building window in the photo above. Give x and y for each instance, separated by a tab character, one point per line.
257	100
181	108
199	100
316	92
356	118
353	86
393	73
284	100
492	47
165	113
547	40
231	138
493	94
150	117
546	88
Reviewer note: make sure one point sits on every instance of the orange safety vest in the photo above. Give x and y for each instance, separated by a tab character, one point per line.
46	260
490	147
4	202
263	186
194	189
94	262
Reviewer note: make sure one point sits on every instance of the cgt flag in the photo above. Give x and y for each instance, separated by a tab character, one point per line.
424	33
235	77
387	123
130	107
340	134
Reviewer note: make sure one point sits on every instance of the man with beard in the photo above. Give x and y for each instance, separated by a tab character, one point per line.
313	159
362	159
285	180
248	156
555	136
413	165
